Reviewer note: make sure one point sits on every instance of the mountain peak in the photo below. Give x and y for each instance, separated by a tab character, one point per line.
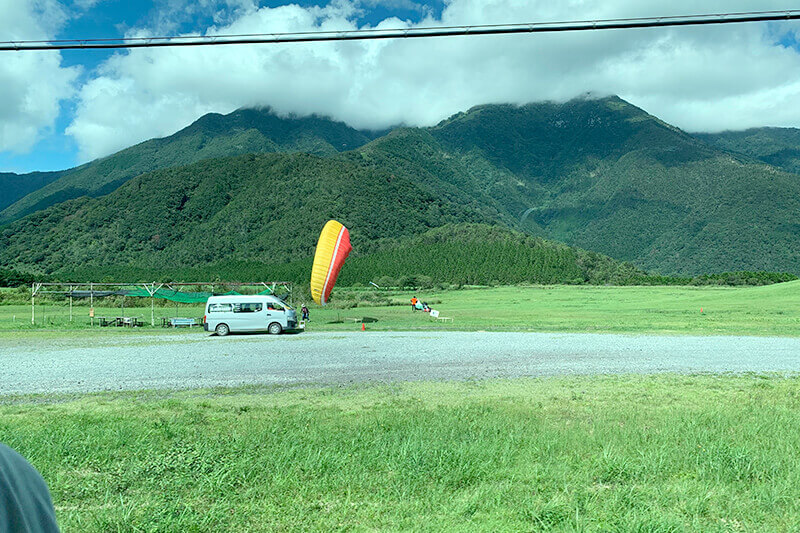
246	130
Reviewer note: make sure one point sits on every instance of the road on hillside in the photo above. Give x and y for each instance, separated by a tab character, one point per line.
147	361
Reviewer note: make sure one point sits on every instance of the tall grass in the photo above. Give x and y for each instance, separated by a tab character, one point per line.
667	453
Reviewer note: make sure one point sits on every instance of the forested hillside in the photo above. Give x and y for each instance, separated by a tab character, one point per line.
258	216
776	146
417	155
241	132
454	254
606	176
451	254
265	207
602	175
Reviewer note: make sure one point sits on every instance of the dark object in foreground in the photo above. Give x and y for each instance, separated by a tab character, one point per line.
25	504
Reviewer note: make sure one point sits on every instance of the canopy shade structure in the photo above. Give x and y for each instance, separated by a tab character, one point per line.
164	294
174	292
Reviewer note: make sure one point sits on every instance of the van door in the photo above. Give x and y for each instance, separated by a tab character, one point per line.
219	312
249	316
276	313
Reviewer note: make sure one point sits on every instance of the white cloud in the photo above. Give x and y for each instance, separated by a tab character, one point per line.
86	5
33	83
701	78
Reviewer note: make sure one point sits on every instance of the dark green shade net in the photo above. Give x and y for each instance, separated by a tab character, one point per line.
164	294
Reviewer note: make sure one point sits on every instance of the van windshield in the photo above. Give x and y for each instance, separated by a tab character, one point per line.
281	305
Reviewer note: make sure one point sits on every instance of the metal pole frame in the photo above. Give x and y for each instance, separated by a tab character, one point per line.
152	290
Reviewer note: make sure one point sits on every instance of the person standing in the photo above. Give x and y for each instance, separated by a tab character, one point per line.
304	312
414	303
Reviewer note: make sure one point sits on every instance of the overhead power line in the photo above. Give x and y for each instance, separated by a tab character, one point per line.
401	33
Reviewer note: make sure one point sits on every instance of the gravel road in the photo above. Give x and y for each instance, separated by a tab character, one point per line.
146	361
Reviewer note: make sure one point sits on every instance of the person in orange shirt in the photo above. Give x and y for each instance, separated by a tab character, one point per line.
414	303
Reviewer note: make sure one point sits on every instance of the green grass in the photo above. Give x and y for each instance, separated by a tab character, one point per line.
769	310
665	453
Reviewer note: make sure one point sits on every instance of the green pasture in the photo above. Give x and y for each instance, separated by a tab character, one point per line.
659	453
768	310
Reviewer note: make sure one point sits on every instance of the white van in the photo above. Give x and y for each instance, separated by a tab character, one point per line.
226	314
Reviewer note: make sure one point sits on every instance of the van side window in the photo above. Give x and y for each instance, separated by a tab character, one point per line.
247	307
219	308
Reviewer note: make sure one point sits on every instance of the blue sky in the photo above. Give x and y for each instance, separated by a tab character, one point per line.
111	19
68	108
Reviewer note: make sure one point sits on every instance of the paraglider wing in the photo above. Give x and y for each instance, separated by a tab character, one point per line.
333	248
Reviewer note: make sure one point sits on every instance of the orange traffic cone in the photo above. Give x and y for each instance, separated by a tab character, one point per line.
363	327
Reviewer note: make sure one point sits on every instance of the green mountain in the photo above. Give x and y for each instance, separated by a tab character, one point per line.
268	209
606	176
415	154
241	132
265	207
601	174
16	186
777	146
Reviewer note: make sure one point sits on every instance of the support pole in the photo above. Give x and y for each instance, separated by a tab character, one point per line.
70	304
152	290
91	301
33	304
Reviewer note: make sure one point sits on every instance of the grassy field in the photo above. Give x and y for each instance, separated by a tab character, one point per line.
666	453
768	310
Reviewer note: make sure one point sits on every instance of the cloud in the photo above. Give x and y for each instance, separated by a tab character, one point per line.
701	78
85	5
408	5
33	84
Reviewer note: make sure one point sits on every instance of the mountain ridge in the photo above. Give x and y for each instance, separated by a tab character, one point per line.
245	131
779	147
16	186
599	174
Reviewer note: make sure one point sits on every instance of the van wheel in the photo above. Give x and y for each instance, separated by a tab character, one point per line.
222	329
274	329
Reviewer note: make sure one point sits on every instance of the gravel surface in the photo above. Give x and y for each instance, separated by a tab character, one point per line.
146	361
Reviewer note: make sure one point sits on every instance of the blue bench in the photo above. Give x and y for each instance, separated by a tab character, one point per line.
182	322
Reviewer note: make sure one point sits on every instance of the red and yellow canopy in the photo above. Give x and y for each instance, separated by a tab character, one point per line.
333	248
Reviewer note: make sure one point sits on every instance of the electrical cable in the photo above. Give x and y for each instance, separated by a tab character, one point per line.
400	33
